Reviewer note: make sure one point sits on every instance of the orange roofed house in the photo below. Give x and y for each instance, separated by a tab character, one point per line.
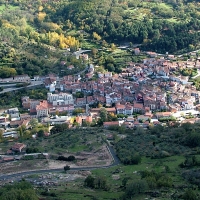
42	109
17	147
110	124
80	119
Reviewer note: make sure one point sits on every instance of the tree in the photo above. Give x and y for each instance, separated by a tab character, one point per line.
34	122
113	47
99	105
40	133
79	95
6	72
135	188
110	67
103	114
136	159
41	16
94	51
151	180
78	111
157	130
89	181
96	36
71	158
193	139
139	131
34	131
100	182
59	128
57	112
1	135
125	181
189	195
164	181
122	129
85	123
66	168
104	43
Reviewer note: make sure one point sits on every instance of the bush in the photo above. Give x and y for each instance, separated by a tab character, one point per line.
134	188
63	158
66	168
98	182
32	150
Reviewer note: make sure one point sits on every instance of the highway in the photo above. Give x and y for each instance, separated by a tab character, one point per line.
20	175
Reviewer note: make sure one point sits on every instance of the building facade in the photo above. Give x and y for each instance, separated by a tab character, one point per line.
60	99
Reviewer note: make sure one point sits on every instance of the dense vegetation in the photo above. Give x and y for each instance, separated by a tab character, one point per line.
160	142
13	99
22	190
70	140
159	25
29	44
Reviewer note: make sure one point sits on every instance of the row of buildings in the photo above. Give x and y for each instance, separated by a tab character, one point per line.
148	86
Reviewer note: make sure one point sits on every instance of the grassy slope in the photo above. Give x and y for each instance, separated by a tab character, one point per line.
75	189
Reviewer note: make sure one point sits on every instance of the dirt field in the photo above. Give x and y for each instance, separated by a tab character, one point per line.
100	157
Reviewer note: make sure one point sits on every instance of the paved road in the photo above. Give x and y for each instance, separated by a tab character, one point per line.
21	174
79	73
198	74
78	53
33	83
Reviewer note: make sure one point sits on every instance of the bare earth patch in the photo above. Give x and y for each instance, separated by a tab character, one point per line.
100	157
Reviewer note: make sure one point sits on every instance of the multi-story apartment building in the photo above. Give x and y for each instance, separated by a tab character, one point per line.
60	99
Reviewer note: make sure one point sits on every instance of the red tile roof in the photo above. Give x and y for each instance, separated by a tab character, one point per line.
42	106
138	105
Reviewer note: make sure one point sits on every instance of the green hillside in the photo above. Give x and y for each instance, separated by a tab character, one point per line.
34	34
160	25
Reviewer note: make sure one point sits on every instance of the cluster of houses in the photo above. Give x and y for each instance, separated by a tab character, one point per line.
151	85
154	86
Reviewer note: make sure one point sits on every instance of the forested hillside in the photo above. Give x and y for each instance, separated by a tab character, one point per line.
31	44
33	34
167	25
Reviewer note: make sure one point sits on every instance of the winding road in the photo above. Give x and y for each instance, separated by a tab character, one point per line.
19	175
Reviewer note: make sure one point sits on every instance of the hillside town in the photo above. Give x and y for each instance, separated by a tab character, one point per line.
142	95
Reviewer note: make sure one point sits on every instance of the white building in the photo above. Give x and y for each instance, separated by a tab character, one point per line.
60	99
128	110
42	109
52	88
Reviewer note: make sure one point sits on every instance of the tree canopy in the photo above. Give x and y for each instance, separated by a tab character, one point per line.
22	190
